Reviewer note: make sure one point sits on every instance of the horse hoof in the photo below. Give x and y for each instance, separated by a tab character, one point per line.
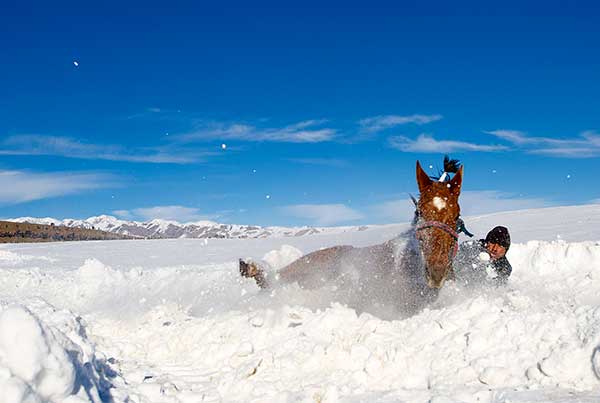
248	269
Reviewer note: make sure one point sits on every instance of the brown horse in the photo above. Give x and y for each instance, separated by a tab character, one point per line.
420	259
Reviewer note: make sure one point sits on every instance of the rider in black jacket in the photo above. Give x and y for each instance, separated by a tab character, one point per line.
485	259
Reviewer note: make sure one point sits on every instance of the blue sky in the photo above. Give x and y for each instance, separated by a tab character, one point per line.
276	114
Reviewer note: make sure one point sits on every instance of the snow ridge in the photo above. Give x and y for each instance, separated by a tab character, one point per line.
167	229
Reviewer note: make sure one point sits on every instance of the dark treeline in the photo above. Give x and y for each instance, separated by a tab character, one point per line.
12	232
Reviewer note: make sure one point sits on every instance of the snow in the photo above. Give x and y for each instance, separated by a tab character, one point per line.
32	358
439	203
33	220
103	222
172	321
162	225
277	259
202	223
46	361
159	228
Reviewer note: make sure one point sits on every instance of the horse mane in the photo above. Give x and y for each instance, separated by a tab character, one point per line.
451	166
416	215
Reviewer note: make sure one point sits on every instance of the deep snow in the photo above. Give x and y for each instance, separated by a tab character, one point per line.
172	321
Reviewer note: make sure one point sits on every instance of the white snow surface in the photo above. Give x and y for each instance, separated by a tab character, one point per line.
172	321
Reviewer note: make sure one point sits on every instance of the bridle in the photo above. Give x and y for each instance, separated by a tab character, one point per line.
441	226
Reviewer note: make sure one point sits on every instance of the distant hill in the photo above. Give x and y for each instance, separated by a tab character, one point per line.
164	229
543	224
17	232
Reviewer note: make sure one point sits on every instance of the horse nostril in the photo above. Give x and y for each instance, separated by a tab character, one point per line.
436	276
431	283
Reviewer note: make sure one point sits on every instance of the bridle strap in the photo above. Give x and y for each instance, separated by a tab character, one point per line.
444	227
436	224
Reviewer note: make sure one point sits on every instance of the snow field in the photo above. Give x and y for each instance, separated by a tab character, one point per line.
489	344
172	321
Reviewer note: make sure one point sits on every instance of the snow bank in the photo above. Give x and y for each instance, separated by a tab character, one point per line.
35	366
47	361
278	259
183	326
559	269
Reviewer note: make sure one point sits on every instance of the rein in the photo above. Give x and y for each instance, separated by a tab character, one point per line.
439	225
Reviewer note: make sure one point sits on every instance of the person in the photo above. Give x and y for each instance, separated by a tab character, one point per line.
484	260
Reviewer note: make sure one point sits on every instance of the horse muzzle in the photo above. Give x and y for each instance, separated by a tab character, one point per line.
437	276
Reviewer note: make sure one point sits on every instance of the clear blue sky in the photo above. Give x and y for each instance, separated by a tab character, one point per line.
279	114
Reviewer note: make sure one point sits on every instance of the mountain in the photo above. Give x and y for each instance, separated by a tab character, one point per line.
164	229
48	231
586	217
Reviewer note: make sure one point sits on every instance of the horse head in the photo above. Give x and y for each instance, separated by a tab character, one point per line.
438	211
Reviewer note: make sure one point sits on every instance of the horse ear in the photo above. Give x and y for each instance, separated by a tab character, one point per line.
456	182
423	180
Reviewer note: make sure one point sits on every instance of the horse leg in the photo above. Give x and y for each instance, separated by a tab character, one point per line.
308	271
251	269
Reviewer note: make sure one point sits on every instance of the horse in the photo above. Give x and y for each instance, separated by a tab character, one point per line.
418	261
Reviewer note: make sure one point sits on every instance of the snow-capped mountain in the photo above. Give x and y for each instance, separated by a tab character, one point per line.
158	228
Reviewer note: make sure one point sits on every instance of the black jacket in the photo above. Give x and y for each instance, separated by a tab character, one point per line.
473	264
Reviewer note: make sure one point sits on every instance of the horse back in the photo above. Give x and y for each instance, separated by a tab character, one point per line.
332	264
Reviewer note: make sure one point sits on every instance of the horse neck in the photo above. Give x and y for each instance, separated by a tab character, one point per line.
406	247
408	262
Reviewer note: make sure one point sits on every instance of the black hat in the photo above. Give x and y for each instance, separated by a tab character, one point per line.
499	235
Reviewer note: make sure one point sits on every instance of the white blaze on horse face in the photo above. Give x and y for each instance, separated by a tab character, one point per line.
439	203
